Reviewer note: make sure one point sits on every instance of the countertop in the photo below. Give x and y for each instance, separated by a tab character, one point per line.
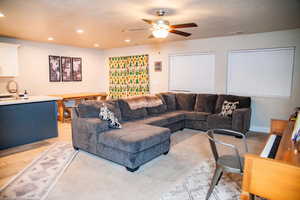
31	99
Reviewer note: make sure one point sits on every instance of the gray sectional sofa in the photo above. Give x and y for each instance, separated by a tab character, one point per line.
145	132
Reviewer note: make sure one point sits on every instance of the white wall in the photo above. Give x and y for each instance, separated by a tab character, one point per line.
263	108
34	69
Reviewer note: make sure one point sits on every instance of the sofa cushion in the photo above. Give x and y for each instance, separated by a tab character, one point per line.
87	111
217	121
157	110
154	101
134	138
173	117
164	119
158	107
185	101
205	103
91	108
129	114
137	102
92	125
199	116
154	120
170	100
244	102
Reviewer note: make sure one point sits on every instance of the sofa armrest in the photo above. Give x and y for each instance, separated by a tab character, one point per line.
241	119
85	131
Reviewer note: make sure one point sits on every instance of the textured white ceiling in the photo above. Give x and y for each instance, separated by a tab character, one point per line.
103	21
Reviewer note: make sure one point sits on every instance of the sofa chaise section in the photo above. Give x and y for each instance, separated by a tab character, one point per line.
131	146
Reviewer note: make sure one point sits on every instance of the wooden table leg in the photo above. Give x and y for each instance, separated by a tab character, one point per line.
60	110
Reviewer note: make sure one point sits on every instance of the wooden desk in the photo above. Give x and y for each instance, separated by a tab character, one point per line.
75	96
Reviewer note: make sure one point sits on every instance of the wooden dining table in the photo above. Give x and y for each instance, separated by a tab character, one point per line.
76	97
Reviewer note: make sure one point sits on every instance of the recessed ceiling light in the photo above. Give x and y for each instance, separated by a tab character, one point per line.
80	31
96	45
1	14
127	40
50	38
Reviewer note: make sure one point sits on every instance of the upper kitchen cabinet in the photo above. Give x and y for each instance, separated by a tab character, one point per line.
8	60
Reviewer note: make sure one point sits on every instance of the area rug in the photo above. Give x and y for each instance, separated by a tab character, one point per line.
36	180
196	185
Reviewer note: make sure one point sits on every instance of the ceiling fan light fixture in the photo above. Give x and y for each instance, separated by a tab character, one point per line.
160	29
160	33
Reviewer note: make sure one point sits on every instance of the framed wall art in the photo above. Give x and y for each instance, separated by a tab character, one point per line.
54	68
157	66
66	67
77	69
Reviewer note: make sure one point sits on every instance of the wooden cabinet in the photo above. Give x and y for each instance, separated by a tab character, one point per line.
8	60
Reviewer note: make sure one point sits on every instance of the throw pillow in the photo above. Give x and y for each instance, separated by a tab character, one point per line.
228	108
106	115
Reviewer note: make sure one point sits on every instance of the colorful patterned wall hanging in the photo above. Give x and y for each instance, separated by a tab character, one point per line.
128	76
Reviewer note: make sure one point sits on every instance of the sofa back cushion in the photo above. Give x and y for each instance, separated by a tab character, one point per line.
244	102
185	101
169	100
137	102
130	114
91	108
205	103
156	105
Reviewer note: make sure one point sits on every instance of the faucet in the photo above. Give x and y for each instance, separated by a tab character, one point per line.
13	90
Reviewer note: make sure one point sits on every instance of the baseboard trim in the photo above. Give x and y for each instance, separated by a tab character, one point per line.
262	129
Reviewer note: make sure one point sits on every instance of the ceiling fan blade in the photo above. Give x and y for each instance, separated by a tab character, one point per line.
185	34
148	21
188	25
134	29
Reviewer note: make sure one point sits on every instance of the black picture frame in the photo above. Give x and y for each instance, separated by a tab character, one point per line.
77	69
66	69
54	68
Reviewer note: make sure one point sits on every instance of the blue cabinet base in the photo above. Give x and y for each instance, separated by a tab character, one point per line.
26	123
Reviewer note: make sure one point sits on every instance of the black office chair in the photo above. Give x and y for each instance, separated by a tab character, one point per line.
225	163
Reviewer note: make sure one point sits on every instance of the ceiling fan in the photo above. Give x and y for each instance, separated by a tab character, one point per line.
161	28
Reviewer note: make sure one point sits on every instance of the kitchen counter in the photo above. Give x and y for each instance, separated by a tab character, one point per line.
29	120
31	99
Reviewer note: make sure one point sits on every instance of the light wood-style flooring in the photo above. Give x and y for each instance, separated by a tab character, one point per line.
13	160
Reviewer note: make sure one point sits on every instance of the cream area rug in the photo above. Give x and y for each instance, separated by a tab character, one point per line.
36	180
196	185
183	174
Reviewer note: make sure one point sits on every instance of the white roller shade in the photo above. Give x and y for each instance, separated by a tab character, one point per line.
192	72
261	72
